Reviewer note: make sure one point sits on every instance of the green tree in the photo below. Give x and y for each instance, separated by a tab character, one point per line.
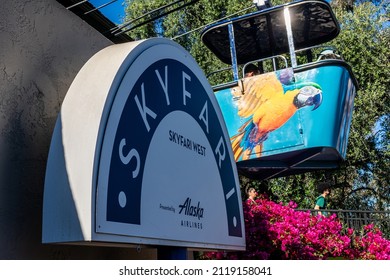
364	42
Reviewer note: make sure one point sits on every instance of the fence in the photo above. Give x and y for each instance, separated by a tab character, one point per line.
356	219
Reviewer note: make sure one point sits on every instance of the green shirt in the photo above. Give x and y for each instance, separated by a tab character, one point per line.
321	202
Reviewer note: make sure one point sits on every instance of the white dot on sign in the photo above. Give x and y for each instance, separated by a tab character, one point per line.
234	221
122	199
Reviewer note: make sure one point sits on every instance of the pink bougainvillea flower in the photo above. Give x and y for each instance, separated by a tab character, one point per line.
276	231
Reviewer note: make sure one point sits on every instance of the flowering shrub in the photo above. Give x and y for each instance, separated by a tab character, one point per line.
275	231
371	246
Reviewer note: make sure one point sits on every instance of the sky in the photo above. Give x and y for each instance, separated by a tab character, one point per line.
114	11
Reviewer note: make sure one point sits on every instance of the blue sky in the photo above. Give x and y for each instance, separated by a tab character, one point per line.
114	11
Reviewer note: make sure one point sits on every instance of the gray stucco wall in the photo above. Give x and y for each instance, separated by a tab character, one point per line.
42	47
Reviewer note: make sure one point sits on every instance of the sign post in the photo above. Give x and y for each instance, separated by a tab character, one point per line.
171	253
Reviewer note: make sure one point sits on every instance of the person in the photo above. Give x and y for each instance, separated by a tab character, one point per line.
328	54
252	194
321	201
251	70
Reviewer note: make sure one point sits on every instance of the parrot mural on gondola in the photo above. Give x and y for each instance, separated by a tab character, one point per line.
268	102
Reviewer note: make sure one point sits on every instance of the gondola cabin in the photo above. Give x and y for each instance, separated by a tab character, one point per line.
289	105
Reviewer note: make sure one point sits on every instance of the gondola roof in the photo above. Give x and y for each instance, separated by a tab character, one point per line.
263	33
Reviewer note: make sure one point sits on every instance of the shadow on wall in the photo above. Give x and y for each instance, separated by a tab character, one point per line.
24	141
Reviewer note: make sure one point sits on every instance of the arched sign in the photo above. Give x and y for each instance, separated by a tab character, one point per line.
162	170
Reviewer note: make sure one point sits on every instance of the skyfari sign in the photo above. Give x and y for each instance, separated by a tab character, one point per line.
159	168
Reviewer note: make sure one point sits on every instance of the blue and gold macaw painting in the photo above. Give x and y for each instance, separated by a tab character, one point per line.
268	103
284	111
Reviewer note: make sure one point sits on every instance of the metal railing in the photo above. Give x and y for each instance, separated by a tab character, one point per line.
357	219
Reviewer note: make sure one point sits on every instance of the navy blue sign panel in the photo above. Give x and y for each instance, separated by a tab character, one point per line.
138	122
166	168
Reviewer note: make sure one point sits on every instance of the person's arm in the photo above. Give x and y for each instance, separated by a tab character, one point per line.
319	204
317	207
